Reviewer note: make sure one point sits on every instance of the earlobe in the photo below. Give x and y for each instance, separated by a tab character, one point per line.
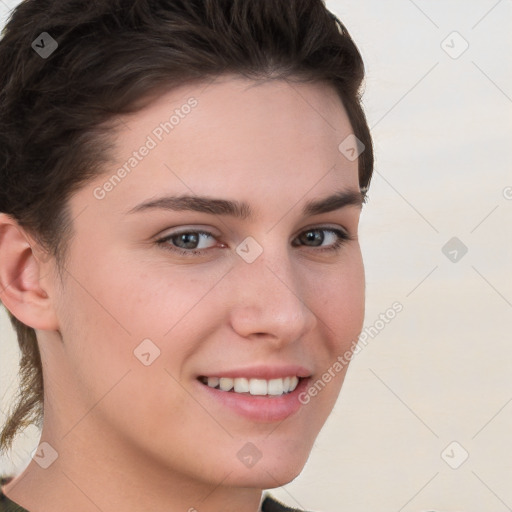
21	285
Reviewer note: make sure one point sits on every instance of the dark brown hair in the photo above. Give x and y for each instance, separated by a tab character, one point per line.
57	114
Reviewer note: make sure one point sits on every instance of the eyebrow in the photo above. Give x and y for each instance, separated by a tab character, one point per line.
242	210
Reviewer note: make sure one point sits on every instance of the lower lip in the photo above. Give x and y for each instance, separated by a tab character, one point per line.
265	409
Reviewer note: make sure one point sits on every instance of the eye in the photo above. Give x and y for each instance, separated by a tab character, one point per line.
186	243
317	237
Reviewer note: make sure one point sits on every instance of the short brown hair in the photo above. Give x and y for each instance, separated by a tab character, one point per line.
57	112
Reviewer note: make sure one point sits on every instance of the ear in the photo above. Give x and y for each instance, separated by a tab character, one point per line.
23	273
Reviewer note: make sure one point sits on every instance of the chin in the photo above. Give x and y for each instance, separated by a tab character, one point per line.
271	471
263	479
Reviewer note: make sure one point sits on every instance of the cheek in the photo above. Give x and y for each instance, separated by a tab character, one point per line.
106	324
161	301
338	299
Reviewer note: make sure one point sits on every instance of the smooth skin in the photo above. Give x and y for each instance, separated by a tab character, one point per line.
132	437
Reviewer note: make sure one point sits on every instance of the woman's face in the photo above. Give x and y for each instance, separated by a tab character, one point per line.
161	298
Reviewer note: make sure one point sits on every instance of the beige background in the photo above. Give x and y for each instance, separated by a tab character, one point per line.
439	372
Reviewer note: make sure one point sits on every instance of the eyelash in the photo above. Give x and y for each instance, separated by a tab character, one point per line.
342	238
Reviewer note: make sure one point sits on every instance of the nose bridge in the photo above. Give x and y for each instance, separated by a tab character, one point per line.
269	299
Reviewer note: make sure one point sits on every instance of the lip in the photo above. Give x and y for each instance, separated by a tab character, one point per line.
260	409
262	372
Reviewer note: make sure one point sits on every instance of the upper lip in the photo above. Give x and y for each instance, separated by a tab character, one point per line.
266	372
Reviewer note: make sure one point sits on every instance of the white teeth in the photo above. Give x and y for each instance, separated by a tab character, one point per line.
257	387
275	387
213	382
241	385
226	384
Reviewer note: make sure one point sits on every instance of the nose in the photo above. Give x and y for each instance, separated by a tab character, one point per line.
270	301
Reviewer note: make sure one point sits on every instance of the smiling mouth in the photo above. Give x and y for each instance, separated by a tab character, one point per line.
254	387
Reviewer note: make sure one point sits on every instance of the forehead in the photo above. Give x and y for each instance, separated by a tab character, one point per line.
232	137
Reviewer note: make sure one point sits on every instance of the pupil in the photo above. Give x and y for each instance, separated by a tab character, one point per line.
185	237
313	236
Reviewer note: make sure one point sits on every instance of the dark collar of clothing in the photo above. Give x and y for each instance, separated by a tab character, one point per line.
269	504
